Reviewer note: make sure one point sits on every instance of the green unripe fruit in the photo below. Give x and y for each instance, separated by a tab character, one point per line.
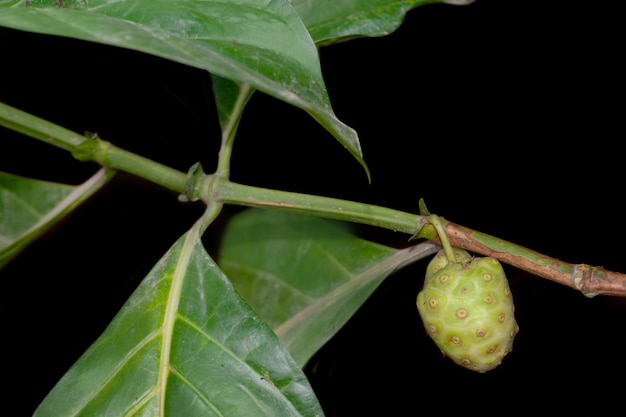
467	309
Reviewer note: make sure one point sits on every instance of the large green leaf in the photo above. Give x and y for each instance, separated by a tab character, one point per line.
29	207
184	344
331	21
256	42
306	276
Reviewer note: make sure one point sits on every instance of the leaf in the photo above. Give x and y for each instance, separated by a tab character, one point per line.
29	207
256	42
306	276
332	21
184	344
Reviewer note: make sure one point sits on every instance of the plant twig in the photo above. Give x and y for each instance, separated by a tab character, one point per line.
219	190
331	208
590	280
108	155
93	148
38	128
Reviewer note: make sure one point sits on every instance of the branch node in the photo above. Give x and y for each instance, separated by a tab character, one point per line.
581	276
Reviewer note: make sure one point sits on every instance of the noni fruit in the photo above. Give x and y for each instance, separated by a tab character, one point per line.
467	309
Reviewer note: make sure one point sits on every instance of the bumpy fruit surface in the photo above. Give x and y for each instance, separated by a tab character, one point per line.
467	309
441	261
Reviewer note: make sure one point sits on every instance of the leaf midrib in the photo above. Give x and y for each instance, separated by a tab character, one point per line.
171	311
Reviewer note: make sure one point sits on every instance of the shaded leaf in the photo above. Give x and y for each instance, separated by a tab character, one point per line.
306	276
29	207
256	42
184	344
332	21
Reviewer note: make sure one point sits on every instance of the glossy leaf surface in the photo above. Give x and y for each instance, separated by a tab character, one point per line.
331	21
306	276
29	207
255	42
184	344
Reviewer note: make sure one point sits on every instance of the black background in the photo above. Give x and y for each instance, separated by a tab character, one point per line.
505	116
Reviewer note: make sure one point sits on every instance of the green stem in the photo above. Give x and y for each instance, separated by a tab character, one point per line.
108	155
218	190
91	149
38	128
233	193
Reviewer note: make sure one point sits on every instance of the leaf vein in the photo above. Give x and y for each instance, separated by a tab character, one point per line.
199	393
234	265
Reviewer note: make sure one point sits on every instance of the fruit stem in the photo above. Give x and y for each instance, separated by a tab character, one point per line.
447	248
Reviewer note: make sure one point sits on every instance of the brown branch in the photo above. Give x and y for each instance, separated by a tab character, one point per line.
589	280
